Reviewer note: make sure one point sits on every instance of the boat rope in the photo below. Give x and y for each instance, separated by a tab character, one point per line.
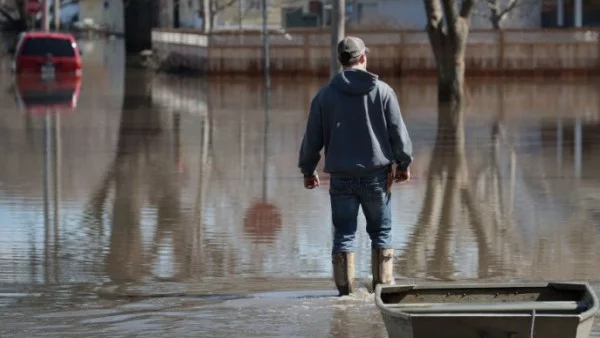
532	330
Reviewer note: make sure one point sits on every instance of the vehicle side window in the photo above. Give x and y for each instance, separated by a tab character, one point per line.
45	46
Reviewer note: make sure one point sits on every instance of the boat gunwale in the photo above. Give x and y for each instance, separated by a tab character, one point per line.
400	314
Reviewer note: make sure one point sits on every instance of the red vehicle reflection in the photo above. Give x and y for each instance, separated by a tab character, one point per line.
38	96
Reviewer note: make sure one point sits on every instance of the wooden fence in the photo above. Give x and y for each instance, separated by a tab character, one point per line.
306	52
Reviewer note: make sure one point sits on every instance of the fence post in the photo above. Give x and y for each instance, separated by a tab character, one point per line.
501	51
598	56
307	55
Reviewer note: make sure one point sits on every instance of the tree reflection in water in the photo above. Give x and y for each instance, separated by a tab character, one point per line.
145	171
449	204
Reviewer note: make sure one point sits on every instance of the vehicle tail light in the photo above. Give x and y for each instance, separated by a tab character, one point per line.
68	66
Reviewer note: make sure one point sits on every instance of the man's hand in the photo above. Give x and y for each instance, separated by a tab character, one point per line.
402	176
311	182
396	176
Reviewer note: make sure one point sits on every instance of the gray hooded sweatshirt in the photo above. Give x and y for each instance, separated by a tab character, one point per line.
357	118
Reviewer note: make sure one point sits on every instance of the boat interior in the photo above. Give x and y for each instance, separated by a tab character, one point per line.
546	298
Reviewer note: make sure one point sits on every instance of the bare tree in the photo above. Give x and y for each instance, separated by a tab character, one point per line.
498	10
448	29
13	11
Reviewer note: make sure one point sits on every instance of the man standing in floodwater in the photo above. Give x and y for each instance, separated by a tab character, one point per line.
357	118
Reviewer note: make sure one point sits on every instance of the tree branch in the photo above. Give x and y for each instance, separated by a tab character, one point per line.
6	14
450	14
466	10
492	3
499	9
435	31
225	5
433	10
512	4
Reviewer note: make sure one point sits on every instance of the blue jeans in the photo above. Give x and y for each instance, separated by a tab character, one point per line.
368	192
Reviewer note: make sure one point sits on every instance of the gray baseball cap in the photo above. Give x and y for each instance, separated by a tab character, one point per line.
350	48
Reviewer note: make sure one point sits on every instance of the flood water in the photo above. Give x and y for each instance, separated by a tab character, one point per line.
172	206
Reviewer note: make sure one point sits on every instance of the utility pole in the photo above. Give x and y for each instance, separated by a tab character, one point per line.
56	15
266	59
45	21
560	13
338	23
578	10
241	14
206	19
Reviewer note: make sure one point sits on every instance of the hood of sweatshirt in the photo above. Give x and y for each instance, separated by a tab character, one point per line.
355	81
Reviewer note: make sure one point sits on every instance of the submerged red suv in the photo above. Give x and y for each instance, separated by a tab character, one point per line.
47	53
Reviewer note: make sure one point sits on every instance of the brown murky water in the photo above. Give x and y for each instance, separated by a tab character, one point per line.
167	206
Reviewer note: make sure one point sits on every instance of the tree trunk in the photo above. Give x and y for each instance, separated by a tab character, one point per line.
211	22
451	80
448	43
213	14
205	13
450	54
449	50
176	21
451	127
495	17
138	26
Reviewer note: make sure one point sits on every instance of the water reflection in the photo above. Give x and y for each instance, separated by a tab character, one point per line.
446	182
36	96
189	187
145	153
490	205
49	99
262	220
140	194
182	182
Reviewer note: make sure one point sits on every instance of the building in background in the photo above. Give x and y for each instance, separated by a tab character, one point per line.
393	14
247	14
410	14
553	16
405	14
104	15
91	12
69	13
182	13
